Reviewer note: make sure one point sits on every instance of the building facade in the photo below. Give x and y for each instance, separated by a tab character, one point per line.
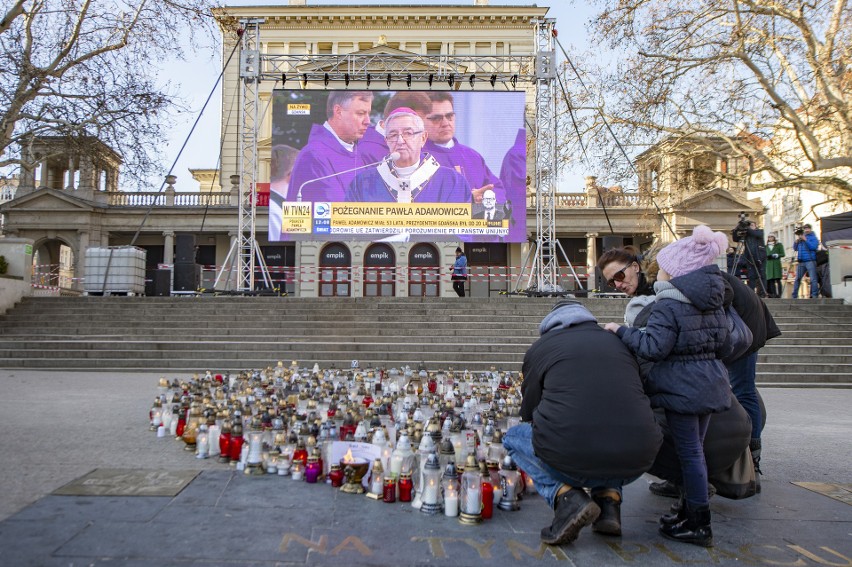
72	203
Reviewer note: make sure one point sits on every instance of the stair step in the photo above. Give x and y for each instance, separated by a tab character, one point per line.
236	333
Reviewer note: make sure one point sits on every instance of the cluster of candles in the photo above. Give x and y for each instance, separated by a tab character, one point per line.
298	422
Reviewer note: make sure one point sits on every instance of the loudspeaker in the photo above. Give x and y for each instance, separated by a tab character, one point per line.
187	276
184	248
161	283
610	242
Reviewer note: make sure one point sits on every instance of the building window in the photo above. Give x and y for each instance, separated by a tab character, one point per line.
324	48
462	48
483	48
362	45
433	48
424	271
379	271
335	271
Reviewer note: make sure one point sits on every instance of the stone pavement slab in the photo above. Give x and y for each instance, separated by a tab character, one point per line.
225	517
60	427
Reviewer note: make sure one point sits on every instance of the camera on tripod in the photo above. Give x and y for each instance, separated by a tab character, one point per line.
743	225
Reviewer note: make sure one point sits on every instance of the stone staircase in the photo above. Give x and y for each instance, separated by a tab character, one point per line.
189	333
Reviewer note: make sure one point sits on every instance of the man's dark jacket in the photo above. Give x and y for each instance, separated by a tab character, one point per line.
583	394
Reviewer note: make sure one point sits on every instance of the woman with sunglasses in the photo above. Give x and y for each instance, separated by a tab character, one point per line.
621	269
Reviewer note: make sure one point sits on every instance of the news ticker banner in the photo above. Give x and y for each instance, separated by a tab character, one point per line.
321	220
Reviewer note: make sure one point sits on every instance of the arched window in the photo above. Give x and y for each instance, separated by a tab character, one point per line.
379	271
424	278
335	274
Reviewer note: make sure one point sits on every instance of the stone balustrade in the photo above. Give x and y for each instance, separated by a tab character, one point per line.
123	199
584	200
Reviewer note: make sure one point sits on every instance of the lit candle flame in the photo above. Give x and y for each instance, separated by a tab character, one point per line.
348	458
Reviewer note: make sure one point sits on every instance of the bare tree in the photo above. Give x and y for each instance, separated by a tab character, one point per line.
83	69
768	83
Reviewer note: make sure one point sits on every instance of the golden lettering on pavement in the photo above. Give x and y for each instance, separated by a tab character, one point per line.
789	555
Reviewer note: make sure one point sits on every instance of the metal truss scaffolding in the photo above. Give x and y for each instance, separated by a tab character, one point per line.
386	66
541	275
245	249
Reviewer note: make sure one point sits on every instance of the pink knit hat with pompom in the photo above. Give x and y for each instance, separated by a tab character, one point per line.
693	252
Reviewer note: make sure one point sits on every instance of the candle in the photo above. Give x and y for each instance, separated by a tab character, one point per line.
451	504
405	488
389	493
336	476
201	446
213	433
473	501
312	470
487	499
430	492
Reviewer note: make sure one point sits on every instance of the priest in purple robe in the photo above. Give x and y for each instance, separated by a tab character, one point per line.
408	178
444	147
373	146
323	169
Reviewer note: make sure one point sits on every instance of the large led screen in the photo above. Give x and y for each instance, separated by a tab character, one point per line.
398	166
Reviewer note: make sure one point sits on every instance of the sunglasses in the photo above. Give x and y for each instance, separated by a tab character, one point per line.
618	276
437	118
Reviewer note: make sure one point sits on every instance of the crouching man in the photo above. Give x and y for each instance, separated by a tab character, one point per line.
587	423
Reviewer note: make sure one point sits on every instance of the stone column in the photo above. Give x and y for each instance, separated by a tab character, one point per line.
591	258
27	180
169	247
44	175
70	186
80	259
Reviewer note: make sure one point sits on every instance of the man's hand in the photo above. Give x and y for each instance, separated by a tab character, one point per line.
477	193
612	327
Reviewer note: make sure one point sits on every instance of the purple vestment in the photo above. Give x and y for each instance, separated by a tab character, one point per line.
513	173
469	163
372	146
445	186
323	155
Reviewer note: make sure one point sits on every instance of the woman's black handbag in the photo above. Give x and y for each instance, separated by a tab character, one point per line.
739	340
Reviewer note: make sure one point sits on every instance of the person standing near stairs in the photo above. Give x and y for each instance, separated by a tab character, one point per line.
459	275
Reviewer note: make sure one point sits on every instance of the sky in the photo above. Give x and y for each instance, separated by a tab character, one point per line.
194	79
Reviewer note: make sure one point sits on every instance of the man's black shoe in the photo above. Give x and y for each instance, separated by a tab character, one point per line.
609	520
665	488
574	511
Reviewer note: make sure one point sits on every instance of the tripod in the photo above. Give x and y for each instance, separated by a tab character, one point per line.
744	251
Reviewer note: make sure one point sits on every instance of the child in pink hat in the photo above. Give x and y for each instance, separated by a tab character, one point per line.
686	330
